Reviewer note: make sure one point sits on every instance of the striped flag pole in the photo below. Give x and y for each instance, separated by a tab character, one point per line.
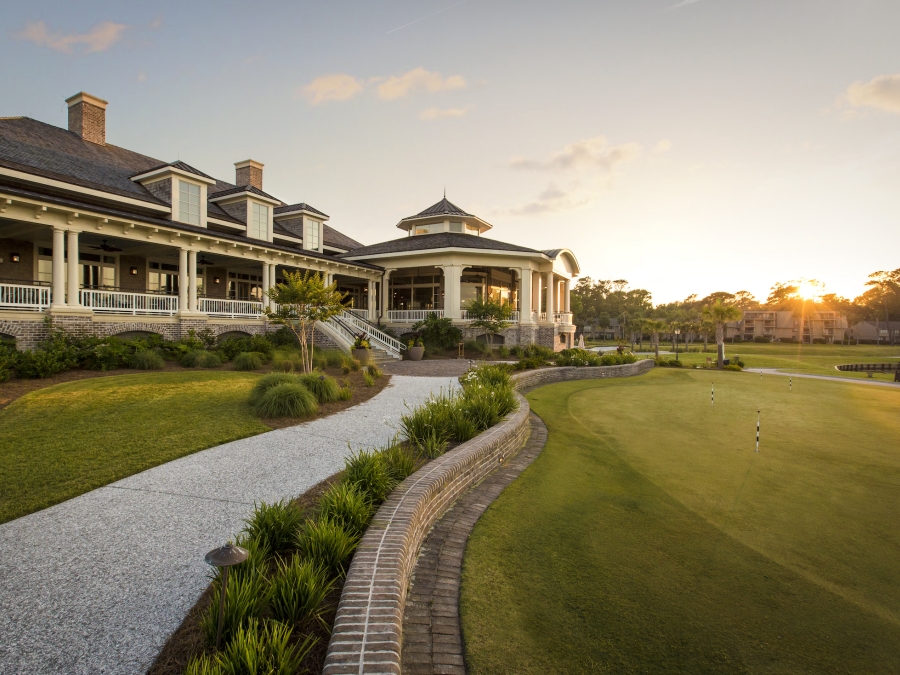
791	382
757	430
712	394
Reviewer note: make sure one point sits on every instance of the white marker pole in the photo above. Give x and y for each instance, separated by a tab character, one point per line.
757	430
712	394
791	382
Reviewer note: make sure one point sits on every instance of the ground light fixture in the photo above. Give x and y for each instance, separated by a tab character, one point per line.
224	557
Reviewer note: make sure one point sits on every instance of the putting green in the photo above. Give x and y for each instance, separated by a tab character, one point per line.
649	537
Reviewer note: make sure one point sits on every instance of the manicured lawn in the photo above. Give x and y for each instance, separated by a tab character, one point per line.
62	441
649	537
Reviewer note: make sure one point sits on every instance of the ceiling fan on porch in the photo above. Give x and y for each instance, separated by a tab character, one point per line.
204	261
106	247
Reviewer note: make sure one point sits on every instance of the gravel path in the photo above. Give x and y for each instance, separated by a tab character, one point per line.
773	371
98	583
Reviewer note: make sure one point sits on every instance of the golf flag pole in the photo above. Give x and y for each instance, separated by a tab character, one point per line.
757	430
712	394
791	383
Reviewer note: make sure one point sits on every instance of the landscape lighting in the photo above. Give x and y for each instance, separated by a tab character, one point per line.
224	557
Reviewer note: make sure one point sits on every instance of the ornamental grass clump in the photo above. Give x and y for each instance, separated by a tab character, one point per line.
246	596
369	378
266	382
274	525
299	589
347	505
399	462
327	544
200	358
146	359
256	648
369	473
249	361
323	387
287	400
346	393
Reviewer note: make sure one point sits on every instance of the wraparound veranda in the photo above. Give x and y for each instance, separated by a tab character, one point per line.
650	537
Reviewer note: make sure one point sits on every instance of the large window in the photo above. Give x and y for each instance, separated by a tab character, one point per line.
259	221
429	229
188	203
312	235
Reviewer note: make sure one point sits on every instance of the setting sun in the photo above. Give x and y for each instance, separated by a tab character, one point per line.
809	290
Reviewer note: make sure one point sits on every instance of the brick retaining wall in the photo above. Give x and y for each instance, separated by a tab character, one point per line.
367	635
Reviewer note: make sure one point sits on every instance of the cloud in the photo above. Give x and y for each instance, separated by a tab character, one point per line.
336	87
442	113
664	145
881	93
100	38
554	200
399	86
156	23
591	153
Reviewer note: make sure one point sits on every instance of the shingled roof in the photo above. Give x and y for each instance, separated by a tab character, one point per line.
290	208
442	208
425	242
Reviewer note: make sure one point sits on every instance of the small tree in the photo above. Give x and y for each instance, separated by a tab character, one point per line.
490	315
720	314
302	301
438	332
654	327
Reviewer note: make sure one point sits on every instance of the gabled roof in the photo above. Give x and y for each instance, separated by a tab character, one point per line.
426	242
241	189
442	208
290	208
175	165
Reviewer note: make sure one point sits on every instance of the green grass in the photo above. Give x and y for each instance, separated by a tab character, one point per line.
649	537
61	441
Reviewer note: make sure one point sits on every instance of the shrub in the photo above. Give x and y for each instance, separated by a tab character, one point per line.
531	362
434	416
327	544
103	354
249	361
200	358
399	462
299	590
259	648
732	366
762	338
374	370
488	376
476	346
346	393
254	343
368	472
462	428
578	358
287	400
274	525
290	366
246	597
146	359
266	382
432	444
283	337
323	387
438	332
663	362
45	362
502	352
348	506
369	378
9	359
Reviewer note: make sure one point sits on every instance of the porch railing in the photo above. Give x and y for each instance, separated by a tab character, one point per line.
412	315
563	318
24	296
464	316
231	309
361	313
117	302
376	335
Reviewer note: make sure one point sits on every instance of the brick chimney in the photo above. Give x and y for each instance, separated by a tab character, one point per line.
87	117
248	172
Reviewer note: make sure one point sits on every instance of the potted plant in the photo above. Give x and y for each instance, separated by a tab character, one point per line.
361	349
415	349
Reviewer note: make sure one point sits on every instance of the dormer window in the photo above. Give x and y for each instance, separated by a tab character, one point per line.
429	229
188	202
259	222
312	235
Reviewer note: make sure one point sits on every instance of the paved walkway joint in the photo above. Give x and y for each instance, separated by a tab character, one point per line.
432	635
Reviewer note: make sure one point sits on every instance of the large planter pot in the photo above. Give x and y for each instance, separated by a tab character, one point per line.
361	355
415	353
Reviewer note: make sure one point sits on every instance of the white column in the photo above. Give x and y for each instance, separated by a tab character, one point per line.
525	296
265	284
567	291
273	279
192	281
72	293
539	292
372	300
452	277
59	269
386	293
551	299
182	280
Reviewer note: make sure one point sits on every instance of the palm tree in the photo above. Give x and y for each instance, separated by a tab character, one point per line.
654	327
720	314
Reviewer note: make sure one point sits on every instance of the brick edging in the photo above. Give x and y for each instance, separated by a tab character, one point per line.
367	634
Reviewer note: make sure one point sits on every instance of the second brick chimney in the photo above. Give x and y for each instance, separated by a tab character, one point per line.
87	117
248	172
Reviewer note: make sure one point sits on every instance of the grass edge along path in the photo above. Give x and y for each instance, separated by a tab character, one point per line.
588	563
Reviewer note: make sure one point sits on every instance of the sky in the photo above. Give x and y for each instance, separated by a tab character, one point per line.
686	146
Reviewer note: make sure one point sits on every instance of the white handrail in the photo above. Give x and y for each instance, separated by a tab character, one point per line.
118	302
412	315
24	296
464	316
564	318
390	343
361	313
231	309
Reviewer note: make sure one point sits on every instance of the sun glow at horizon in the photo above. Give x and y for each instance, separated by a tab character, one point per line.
809	289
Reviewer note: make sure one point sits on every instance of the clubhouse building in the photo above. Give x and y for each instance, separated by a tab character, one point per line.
107	241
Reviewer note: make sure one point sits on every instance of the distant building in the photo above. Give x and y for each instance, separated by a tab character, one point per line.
784	326
875	331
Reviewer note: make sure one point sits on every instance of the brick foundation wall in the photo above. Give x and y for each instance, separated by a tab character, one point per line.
367	635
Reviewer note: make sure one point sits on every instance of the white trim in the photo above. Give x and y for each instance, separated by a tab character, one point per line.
312	214
49	182
164	171
225	223
245	194
451	249
84	97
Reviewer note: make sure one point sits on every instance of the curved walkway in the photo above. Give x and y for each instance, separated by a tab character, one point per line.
432	634
833	378
98	583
